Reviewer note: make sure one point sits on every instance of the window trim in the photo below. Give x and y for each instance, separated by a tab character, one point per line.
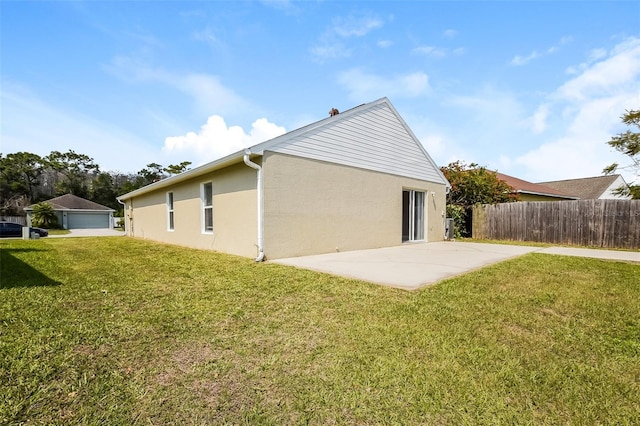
204	208
171	217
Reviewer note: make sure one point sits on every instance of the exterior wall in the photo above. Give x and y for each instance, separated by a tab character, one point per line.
608	194
234	213
313	207
534	197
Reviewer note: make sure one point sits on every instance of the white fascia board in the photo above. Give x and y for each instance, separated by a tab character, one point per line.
29	209
260	148
230	159
565	197
212	166
422	148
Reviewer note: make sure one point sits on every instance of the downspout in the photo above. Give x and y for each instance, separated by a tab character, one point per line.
248	162
124	216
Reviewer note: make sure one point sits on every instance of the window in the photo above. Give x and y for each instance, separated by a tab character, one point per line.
170	211
207	207
412	215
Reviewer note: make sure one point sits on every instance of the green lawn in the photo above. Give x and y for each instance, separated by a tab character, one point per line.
122	331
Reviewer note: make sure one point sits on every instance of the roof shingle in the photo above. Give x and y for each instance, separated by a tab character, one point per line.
73	202
520	185
585	188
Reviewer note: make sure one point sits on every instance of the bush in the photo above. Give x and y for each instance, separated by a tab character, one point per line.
44	216
459	216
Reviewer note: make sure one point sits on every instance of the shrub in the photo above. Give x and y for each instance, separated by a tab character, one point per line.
459	216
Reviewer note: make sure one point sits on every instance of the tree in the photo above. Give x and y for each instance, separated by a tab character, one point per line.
77	171
103	191
471	185
627	143
20	175
44	216
152	173
174	169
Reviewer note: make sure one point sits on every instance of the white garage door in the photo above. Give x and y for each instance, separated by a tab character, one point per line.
87	220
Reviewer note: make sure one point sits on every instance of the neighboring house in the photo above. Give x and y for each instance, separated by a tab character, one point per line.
528	191
598	187
78	213
355	180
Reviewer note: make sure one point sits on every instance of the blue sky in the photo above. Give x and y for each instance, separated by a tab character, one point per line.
532	89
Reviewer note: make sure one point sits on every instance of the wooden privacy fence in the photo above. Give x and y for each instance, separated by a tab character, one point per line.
22	220
591	223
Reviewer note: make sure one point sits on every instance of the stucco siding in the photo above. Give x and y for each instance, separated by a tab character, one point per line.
234	213
316	207
374	138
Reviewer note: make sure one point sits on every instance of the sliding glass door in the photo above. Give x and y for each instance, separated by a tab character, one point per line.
413	215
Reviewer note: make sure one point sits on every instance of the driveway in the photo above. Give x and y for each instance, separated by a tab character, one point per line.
90	233
412	266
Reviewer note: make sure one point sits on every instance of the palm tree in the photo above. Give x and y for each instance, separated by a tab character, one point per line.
44	216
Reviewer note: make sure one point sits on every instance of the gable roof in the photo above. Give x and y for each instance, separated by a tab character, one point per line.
370	136
526	187
73	202
585	188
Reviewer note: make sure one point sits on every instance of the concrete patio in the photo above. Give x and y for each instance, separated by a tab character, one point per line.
412	266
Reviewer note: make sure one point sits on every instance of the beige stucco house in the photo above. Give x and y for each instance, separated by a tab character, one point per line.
356	180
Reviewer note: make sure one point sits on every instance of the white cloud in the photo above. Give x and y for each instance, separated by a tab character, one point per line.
590	106
355	26
363	86
616	73
209	94
330	51
450	33
206	36
282	5
597	54
581	150
435	145
539	119
215	140
520	60
331	44
436	52
32	124
383	44
429	51
523	60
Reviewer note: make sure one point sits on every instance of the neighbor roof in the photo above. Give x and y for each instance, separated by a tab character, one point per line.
73	202
526	187
585	188
285	142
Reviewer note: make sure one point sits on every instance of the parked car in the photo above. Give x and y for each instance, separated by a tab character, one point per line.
10	229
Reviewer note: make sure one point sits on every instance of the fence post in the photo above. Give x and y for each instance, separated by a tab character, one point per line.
478	231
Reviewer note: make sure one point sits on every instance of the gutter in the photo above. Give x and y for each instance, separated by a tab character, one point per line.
248	162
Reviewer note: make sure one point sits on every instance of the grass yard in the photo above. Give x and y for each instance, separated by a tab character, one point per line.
121	331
